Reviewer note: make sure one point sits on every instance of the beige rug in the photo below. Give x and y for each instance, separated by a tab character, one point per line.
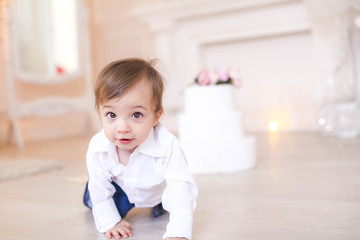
18	168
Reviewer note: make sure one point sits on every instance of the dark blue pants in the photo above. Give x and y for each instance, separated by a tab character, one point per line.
121	202
120	198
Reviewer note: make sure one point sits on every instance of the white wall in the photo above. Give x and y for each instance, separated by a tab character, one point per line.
116	33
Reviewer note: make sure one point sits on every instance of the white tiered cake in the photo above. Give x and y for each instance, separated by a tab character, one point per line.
210	131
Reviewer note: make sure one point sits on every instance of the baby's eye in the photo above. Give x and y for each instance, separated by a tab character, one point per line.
111	115
137	115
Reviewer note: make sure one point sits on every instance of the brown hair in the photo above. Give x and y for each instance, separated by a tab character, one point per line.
121	75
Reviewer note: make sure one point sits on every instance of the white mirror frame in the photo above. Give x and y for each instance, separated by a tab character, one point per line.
42	79
50	105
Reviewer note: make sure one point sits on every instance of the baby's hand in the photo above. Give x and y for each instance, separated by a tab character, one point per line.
122	228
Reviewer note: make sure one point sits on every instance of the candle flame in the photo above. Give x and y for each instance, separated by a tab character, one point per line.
273	126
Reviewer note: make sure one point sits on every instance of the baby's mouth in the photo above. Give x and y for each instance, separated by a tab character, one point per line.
125	140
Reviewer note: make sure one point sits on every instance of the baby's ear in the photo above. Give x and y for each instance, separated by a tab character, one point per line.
158	115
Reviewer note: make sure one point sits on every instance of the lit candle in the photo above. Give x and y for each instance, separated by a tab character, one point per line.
273	126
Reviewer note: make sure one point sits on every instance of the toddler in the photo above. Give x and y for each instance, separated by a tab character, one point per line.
134	160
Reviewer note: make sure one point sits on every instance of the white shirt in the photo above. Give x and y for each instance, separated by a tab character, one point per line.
156	172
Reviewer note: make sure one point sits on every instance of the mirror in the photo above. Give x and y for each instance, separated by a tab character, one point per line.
46	40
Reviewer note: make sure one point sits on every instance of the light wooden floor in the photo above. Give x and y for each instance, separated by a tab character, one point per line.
304	187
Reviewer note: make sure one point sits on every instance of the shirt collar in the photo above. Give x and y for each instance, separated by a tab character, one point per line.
151	146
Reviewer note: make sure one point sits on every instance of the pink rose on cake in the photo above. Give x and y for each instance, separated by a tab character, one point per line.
203	78
220	76
223	75
213	77
206	77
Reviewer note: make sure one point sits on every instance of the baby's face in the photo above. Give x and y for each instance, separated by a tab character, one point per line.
127	120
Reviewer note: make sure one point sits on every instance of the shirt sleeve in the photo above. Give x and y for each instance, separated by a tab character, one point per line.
101	191
179	197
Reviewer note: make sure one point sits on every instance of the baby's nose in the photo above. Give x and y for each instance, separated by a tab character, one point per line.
123	126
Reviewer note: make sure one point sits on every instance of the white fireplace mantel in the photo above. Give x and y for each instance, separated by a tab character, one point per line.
183	28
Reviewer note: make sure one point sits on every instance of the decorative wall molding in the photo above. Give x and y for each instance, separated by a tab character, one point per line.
162	16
